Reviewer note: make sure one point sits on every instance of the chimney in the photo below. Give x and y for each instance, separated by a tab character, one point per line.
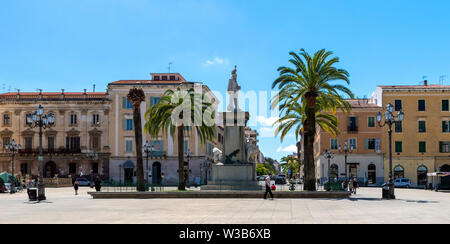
40	93
62	93
85	94
425	83
18	93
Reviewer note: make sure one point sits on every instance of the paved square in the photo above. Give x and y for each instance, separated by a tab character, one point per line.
412	206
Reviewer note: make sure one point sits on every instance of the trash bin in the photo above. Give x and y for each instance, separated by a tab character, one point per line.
32	194
388	191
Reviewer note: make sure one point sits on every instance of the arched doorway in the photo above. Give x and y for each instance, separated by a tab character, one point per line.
128	171
50	169
156	173
399	172
334	171
372	174
445	181
422	176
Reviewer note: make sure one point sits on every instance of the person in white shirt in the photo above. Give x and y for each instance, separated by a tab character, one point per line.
268	190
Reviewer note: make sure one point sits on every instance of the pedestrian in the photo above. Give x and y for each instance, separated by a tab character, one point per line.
98	183
268	184
355	185
350	186
75	187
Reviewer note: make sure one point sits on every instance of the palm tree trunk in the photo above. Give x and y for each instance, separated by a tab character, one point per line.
139	161
309	137
181	183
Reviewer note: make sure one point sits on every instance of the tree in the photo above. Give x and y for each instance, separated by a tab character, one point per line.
136	96
307	98
177	110
290	163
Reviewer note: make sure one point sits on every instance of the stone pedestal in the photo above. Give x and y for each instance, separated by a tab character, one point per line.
240	175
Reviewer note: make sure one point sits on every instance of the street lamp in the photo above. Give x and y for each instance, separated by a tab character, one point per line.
38	119
346	150
389	120
328	155
148	150
13	148
187	169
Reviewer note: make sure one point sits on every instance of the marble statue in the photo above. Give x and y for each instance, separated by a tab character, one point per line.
233	91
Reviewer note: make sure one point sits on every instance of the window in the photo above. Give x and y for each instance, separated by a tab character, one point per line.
371	143
445	106
398	146
352	124
128	124
51	143
398	105
421	104
371	122
444	146
154	101
94	168
156	77
186	146
129	146
95	119
28	143
398	127
399	172
6	141
445	126
6	120
422	127
73	143
422	147
352	143
73	119
126	104
95	142
172	77
164	77
334	144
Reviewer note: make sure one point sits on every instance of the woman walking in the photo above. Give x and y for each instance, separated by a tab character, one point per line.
75	187
350	186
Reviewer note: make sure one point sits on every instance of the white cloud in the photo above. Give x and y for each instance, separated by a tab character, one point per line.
267	132
288	149
264	121
216	61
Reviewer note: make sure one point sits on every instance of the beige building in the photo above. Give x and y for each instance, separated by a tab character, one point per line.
360	131
162	165
78	143
421	143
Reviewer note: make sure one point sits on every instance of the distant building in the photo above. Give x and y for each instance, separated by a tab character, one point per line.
420	143
362	134
78	143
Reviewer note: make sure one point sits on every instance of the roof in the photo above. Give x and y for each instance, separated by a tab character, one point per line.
362	103
417	86
180	79
53	95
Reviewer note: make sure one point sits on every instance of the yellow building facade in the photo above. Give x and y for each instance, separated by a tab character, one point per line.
421	142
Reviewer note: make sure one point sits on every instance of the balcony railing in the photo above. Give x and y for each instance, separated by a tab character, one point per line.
352	128
157	154
50	151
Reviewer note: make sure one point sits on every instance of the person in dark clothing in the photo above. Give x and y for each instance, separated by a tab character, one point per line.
75	187
98	184
268	190
355	185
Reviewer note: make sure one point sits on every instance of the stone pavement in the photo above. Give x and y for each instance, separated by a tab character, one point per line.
412	206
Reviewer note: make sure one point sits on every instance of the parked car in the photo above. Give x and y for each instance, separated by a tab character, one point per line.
402	182
83	182
280	180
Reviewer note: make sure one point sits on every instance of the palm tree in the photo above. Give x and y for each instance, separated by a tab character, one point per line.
307	98
177	110
136	96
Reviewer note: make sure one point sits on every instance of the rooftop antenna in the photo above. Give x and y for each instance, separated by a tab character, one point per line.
442	79
93	90
170	64
423	79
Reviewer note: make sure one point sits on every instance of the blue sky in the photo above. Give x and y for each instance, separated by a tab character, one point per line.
54	44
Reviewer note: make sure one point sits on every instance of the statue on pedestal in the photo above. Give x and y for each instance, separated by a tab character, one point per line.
233	91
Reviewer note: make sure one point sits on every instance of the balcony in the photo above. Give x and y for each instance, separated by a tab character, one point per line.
352	129
50	151
158	154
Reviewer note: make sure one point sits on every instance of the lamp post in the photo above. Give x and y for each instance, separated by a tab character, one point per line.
328	155
389	120
13	148
148	150
187	168
38	119
346	150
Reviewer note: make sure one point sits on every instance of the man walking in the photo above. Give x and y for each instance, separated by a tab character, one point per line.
268	190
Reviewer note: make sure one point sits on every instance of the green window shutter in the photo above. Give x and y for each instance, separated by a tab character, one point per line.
124	124
124	102
422	147
445	105
367	144
441	147
152	101
398	147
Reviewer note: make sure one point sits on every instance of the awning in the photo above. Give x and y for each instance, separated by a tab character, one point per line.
128	165
439	174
